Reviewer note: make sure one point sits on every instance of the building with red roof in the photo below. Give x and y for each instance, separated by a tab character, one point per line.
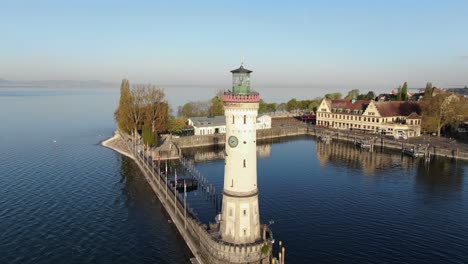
395	118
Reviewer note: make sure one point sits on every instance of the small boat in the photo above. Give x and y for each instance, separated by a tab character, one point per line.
413	152
364	144
192	184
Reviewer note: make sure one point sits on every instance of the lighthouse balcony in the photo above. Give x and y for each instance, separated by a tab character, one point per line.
252	97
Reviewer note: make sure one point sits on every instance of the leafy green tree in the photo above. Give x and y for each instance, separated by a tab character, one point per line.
304	104
149	137
313	106
271	107
370	95
262	108
353	94
122	115
291	105
404	92
428	90
216	107
176	125
333	96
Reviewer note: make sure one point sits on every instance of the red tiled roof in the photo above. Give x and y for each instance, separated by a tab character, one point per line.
348	104
397	108
413	116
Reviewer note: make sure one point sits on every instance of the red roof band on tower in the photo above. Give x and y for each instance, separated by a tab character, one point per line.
252	97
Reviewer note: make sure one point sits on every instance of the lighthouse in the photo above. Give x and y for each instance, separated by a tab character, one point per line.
240	216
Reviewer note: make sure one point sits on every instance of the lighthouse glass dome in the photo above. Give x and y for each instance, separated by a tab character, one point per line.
241	80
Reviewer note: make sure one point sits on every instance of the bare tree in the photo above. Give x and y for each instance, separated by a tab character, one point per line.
136	110
156	108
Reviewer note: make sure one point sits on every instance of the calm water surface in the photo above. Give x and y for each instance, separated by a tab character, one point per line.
65	199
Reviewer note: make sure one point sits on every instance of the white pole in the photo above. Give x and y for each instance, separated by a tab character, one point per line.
175	199
175	192
166	179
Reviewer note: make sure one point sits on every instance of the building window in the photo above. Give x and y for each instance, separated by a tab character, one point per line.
245	212
244	163
233	119
230	211
245	119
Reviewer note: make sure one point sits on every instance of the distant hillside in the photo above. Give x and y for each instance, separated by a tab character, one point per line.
57	84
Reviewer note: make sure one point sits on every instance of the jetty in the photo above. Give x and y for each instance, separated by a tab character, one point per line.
203	240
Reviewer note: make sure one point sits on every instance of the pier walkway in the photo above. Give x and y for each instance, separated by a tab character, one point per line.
202	240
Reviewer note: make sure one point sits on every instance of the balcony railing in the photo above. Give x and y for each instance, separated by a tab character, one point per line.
252	97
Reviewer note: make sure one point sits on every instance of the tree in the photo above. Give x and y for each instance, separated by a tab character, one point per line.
262	107
192	109
304	104
353	94
428	90
271	107
370	95
439	111
156	108
313	106
176	125
291	105
149	137
333	96
404	92
122	113
216	107
281	107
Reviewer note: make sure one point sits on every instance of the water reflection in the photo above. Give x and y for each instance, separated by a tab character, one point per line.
211	153
370	163
440	176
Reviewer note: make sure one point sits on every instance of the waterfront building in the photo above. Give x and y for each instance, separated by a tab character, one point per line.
400	119
240	215
209	125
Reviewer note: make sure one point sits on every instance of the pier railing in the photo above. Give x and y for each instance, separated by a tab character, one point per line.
204	243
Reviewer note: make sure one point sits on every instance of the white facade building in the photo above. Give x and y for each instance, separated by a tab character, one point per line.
217	124
397	118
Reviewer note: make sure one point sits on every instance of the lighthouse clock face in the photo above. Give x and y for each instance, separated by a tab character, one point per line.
233	141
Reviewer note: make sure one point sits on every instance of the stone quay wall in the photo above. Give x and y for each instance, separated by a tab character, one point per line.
205	247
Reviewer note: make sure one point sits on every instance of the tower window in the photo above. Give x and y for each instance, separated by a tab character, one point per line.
230	212
245	119
245	232
233	119
244	164
245	212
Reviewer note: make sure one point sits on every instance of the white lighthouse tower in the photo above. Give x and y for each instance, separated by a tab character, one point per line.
240	221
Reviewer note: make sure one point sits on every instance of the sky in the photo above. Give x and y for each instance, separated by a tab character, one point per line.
294	47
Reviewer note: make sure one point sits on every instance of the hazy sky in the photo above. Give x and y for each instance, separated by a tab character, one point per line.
313	46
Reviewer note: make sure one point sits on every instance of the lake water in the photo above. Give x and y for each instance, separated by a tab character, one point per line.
66	199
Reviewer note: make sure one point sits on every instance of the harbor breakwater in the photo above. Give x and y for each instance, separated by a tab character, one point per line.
203	241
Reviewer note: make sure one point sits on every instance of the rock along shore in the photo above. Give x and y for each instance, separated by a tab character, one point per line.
117	144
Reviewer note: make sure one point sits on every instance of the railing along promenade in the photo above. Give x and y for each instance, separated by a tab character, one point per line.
204	243
454	151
